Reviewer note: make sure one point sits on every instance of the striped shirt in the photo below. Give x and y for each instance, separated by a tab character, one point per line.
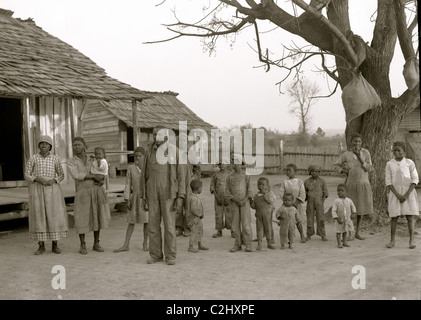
47	168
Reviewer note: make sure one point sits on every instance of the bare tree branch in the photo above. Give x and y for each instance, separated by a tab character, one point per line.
404	36
347	45
329	73
209	32
261	58
329	95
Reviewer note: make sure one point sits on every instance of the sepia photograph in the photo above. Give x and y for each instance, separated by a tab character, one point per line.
210	154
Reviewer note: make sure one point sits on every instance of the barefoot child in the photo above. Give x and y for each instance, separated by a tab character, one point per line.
288	217
263	202
195	217
342	210
401	179
296	187
316	193
217	188
238	192
136	212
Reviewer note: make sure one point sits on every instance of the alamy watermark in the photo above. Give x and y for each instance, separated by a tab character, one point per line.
223	149
358	281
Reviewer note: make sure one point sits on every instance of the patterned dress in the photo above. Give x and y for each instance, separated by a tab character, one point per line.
358	185
92	211
401	174
132	192
47	210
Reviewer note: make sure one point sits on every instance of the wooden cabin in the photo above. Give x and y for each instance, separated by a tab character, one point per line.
44	87
110	124
410	132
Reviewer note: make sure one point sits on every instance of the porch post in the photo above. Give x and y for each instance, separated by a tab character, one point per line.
135	129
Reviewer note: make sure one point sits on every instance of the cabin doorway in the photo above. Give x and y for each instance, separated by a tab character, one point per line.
130	144
11	155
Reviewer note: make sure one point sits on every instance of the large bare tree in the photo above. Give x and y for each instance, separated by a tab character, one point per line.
325	26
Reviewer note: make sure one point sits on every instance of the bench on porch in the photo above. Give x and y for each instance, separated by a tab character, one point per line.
14	199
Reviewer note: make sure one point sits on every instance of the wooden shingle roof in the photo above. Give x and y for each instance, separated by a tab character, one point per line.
161	109
35	63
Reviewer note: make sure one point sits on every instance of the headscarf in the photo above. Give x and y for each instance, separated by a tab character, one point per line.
81	140
46	138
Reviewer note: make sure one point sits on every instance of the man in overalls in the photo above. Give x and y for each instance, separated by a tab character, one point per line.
163	192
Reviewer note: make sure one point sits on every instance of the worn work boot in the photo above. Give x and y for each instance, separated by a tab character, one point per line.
191	249
271	246
259	246
41	248
235	249
82	249
55	248
97	247
152	261
217	234
249	248
202	247
170	262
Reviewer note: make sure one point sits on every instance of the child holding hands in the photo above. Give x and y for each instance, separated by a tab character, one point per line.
342	209
263	202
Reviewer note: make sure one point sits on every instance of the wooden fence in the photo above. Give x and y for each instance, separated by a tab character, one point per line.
276	163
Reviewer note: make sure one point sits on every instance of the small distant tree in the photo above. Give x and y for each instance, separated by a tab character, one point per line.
303	96
320	132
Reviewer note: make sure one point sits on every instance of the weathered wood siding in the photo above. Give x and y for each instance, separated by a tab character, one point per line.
100	128
412	122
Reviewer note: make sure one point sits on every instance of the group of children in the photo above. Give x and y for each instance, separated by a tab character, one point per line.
233	200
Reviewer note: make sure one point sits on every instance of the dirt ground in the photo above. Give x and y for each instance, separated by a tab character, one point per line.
313	270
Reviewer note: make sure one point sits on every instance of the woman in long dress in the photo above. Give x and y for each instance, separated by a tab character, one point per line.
92	211
47	211
356	164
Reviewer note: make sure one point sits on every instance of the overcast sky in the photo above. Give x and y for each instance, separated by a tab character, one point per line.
226	88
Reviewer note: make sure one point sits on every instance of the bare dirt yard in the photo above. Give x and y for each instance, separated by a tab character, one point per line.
312	270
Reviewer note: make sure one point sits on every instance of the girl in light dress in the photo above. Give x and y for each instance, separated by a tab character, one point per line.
401	179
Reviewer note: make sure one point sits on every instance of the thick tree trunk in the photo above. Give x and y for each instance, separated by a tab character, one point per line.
379	127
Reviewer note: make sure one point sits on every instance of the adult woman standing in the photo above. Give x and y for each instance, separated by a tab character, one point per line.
356	163
47	211
92	212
